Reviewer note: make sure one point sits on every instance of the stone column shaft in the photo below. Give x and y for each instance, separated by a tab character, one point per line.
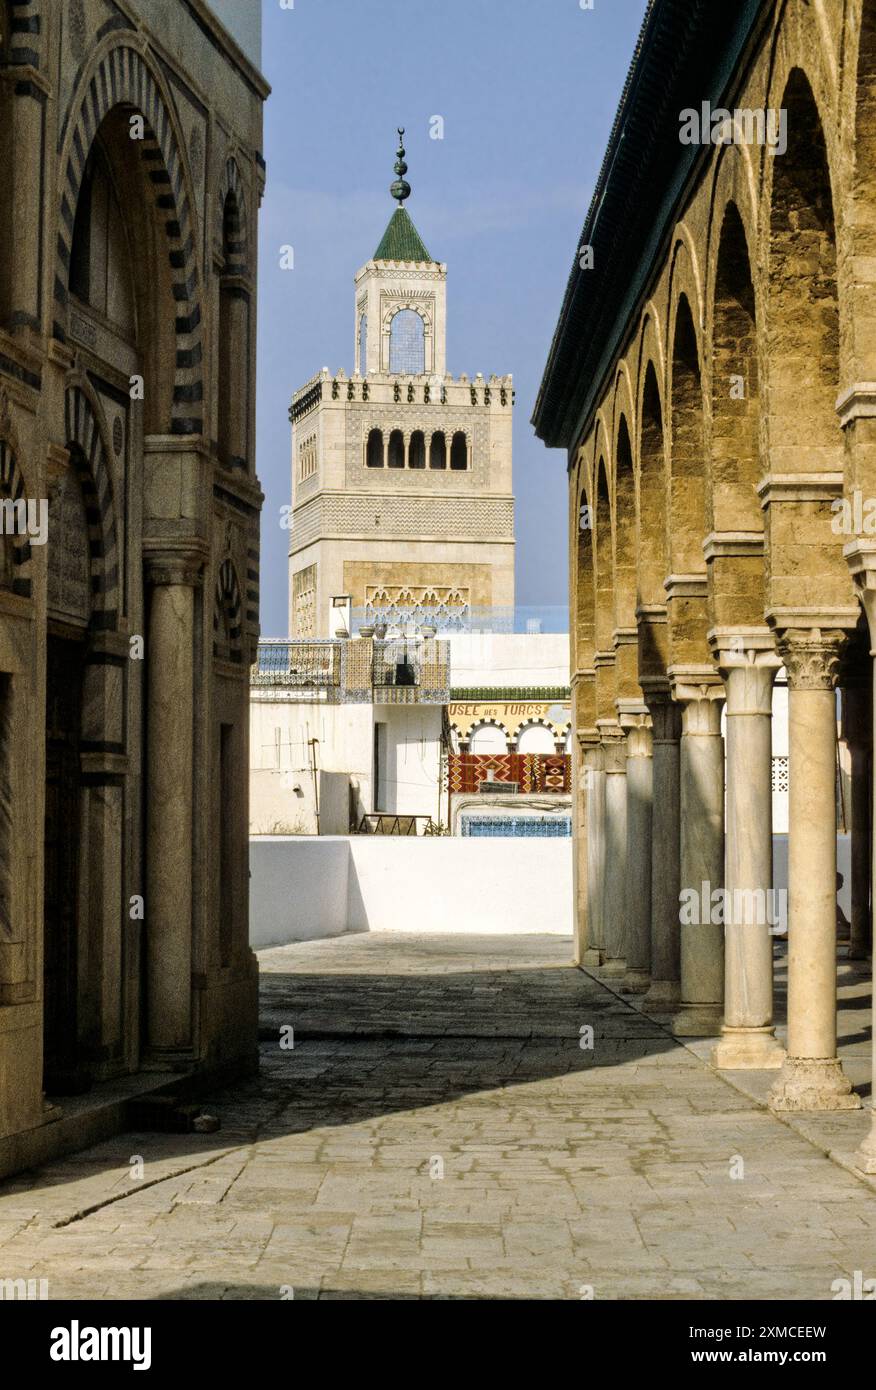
812	1077
748	1037
857	720
614	899
665	870
638	861
701	863
594	783
169	812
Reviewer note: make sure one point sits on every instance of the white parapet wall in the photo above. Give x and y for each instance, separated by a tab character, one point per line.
305	887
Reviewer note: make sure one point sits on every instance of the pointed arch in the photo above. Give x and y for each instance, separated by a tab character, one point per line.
232	232
735	458
88	457
123	78
653	549
227	623
625	530
604	560
802	296
585	577
687	486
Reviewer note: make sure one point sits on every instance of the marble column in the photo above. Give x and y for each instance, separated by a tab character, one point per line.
614	879
170	733
594	790
861	558
857	731
812	1077
663	992
637	911
748	1040
701	859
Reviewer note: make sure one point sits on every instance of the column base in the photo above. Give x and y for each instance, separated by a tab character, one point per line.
808	1083
636	982
865	1157
663	996
748	1049
697	1020
592	958
613	969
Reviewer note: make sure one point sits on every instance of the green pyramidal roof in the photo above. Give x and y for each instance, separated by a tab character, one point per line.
401	240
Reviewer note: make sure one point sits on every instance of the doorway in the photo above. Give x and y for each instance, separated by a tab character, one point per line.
63	1072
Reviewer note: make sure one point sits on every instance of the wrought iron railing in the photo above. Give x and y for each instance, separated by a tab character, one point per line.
310	665
384	823
355	671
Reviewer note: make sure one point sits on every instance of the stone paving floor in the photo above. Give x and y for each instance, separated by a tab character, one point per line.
438	1130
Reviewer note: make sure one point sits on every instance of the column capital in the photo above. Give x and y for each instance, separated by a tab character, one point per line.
665	716
812	656
175	565
733	647
609	731
587	739
639	735
691	684
860	556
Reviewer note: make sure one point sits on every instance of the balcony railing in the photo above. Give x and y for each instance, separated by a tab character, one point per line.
360	670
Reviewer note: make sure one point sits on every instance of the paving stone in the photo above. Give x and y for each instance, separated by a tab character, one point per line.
437	1132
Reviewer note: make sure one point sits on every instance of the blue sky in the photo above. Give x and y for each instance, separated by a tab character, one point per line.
528	91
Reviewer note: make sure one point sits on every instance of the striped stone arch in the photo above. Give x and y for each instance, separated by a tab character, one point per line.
235	251
88	457
122	78
227	624
12	487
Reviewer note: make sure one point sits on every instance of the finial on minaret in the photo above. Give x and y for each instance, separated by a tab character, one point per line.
400	189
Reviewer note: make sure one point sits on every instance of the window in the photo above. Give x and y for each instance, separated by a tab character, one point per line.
438	451
396	449
99	262
417	450
304	602
407	343
363	345
307	458
535	738
488	738
380	767
374	450
459	452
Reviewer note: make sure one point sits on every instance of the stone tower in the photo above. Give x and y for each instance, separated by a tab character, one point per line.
401	485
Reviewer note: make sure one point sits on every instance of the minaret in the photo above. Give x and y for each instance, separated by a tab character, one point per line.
402	502
401	277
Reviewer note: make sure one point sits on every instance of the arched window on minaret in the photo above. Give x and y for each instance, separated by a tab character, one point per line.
396	449
407	343
438	450
459	452
363	345
374	450
417	450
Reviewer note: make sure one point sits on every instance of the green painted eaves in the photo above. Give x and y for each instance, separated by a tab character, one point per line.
401	240
483	693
